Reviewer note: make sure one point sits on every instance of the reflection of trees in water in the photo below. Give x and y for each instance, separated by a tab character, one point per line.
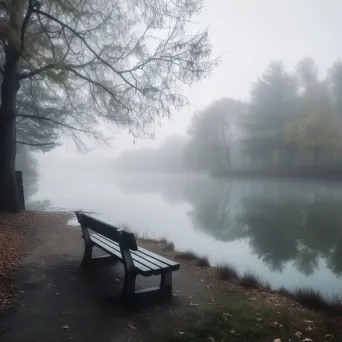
211	210
284	223
279	231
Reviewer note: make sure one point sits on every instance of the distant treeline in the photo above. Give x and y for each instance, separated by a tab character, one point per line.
293	121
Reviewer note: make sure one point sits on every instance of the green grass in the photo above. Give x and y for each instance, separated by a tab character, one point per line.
241	318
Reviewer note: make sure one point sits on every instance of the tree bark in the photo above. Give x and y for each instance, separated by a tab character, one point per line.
9	199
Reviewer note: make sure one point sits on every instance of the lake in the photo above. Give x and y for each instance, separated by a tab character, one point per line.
288	232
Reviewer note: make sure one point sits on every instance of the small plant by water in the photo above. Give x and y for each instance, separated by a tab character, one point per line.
187	255
203	262
227	272
167	245
313	299
250	280
286	292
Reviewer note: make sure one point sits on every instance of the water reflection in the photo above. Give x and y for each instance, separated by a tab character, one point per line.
283	222
294	230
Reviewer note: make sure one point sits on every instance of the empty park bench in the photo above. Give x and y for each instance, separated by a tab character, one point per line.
121	245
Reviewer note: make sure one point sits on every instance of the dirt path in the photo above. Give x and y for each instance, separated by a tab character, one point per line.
61	302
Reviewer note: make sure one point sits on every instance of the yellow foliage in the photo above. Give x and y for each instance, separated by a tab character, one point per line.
317	130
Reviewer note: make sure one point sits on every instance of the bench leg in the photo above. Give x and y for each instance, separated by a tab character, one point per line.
128	292
88	252
166	285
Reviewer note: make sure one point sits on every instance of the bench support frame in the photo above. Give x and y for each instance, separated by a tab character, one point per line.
127	242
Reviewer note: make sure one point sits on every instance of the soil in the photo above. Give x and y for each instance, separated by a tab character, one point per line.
60	301
54	299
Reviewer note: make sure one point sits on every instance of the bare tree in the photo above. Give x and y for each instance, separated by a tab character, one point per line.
70	63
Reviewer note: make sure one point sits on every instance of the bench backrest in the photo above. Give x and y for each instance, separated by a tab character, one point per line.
124	238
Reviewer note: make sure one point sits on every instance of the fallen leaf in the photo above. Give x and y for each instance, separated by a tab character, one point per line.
306	339
181	333
298	334
308	329
277	340
131	326
64	327
210	339
226	316
259	319
329	336
307	321
276	324
193	305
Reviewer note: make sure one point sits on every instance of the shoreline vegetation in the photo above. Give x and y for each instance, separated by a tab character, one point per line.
309	298
250	310
225	305
324	172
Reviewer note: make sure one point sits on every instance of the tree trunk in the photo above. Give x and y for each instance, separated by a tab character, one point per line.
9	199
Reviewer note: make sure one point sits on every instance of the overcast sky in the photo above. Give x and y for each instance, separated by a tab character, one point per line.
248	34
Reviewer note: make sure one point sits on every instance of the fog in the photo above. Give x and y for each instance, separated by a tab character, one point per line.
249	171
248	35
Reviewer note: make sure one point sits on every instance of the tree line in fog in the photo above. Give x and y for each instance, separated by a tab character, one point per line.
292	119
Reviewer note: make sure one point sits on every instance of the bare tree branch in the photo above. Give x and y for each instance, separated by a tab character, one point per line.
90	49
31	4
36	117
55	66
35	144
76	73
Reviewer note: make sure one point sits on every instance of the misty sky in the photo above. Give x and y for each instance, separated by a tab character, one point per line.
248	34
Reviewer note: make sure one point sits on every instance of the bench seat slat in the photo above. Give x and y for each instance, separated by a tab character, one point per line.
137	260
172	264
153	267
155	259
141	268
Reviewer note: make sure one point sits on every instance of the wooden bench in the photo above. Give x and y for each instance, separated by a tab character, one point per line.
121	245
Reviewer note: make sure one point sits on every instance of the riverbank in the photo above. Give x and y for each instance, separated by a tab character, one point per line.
323	172
57	301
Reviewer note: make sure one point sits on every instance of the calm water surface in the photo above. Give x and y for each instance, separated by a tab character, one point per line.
287	232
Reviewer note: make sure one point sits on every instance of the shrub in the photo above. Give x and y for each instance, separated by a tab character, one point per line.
187	255
227	272
203	262
250	280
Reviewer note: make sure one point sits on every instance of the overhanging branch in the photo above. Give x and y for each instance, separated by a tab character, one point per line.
56	122
35	144
31	6
55	66
77	34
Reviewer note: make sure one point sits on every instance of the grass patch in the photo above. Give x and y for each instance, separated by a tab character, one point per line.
240	319
202	262
313	299
250	280
187	255
167	245
285	292
267	285
227	272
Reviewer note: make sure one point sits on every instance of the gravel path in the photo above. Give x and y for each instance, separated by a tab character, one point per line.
59	301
